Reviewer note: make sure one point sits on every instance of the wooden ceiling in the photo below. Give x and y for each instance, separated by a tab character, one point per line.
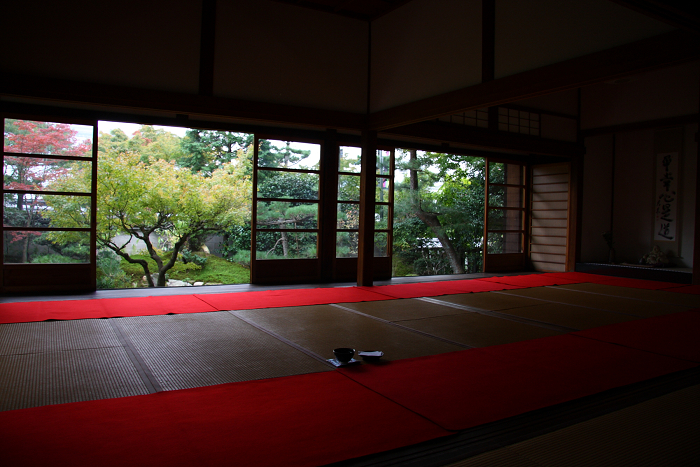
360	9
682	14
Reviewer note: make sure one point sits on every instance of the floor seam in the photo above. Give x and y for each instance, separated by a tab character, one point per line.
280	338
400	326
144	372
495	314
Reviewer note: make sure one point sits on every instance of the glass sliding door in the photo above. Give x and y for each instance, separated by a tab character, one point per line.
49	180
504	248
286	223
348	212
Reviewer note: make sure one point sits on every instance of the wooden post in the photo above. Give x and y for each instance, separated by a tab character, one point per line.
328	195
365	254
696	243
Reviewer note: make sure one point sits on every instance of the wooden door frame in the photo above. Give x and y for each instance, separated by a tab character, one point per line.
78	277
502	262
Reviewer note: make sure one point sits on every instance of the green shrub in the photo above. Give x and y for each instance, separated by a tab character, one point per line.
54	259
110	275
189	257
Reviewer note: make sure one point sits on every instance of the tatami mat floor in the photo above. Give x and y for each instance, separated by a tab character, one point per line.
68	361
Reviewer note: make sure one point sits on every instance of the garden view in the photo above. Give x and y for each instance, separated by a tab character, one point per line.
176	209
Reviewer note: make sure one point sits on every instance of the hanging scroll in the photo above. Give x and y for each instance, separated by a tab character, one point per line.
666	197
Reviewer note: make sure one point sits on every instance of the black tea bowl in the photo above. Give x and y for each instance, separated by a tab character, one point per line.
344	354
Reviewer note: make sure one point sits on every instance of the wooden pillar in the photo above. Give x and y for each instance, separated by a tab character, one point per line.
696	243
328	194
365	254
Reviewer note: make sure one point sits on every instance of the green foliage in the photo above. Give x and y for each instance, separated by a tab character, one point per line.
189	257
236	239
216	270
156	197
110	275
452	188
54	259
150	143
242	258
204	151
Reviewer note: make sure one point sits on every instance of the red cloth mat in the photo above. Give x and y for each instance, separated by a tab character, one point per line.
675	335
579	276
639	283
21	312
614	280
691	289
532	280
305	420
460	390
289	297
433	289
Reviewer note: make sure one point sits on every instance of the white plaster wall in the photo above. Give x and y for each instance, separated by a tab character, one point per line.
152	45
273	52
597	196
634	193
669	92
565	102
633	219
689	185
534	33
425	48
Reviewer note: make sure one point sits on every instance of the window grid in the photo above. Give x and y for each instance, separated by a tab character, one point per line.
518	121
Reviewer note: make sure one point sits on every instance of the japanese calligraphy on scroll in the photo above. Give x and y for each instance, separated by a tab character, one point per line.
666	197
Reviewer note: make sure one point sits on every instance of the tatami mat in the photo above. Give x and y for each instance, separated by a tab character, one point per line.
640	308
571	316
660	296
659	432
477	330
56	377
321	328
186	351
23	338
402	309
490	301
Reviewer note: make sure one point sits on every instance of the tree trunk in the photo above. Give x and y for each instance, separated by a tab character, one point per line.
431	220
285	244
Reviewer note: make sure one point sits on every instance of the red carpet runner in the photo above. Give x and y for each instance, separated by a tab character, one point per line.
199	303
314	419
305	420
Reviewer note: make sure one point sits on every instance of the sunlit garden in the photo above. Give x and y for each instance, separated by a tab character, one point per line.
175	209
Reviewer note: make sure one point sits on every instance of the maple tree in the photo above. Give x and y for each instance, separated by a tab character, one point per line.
24	169
156	199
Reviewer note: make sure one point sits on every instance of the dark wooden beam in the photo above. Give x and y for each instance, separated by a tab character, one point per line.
644	55
121	98
682	14
646	125
438	131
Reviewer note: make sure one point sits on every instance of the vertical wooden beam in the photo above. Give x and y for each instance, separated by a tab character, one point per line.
365	254
696	243
328	194
206	48
93	209
488	52
577	166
